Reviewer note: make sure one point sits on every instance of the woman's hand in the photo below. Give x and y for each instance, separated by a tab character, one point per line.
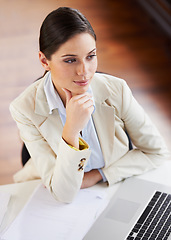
91	178
78	112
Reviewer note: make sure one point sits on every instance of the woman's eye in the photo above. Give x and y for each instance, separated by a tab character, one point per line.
70	60
91	56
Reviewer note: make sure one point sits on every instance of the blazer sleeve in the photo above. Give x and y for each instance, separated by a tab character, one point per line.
60	173
149	150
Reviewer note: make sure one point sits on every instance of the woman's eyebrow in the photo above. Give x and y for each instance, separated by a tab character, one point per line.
73	55
92	50
69	55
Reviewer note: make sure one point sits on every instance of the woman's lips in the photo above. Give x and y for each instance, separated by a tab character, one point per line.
82	83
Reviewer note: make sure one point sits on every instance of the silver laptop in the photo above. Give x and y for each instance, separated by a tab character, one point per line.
138	210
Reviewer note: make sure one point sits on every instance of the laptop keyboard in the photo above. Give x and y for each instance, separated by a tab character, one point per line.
155	221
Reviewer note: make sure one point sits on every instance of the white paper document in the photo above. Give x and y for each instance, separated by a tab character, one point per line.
45	218
4	200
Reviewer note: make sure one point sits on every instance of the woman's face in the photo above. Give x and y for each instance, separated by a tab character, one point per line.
73	65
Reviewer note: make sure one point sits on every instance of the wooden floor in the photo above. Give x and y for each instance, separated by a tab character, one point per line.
131	45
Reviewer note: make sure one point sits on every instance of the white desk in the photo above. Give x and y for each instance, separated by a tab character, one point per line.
21	192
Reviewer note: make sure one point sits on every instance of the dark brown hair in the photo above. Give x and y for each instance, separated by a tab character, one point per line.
59	26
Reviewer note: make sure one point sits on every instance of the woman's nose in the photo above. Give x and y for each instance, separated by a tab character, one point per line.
82	69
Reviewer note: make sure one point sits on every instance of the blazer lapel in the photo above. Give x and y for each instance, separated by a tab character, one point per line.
104	119
47	123
52	129
104	123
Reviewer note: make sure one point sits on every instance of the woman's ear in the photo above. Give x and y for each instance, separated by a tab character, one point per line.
44	61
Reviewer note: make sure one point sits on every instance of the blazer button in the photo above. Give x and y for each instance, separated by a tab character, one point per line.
80	169
81	164
83	160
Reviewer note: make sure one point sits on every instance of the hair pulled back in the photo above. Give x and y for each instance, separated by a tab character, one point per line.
59	26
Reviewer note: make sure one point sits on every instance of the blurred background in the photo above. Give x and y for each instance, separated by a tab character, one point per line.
133	42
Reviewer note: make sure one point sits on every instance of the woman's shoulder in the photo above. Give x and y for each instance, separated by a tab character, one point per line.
107	79
102	81
113	89
27	97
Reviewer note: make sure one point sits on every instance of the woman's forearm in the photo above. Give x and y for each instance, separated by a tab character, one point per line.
91	178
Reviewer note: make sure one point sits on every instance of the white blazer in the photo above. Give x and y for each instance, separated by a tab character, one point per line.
57	164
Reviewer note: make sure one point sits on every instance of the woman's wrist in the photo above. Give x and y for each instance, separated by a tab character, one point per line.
91	178
70	137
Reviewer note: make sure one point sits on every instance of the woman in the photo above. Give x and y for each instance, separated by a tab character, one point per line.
74	121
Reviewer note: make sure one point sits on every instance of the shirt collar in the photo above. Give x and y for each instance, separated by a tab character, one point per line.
53	98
